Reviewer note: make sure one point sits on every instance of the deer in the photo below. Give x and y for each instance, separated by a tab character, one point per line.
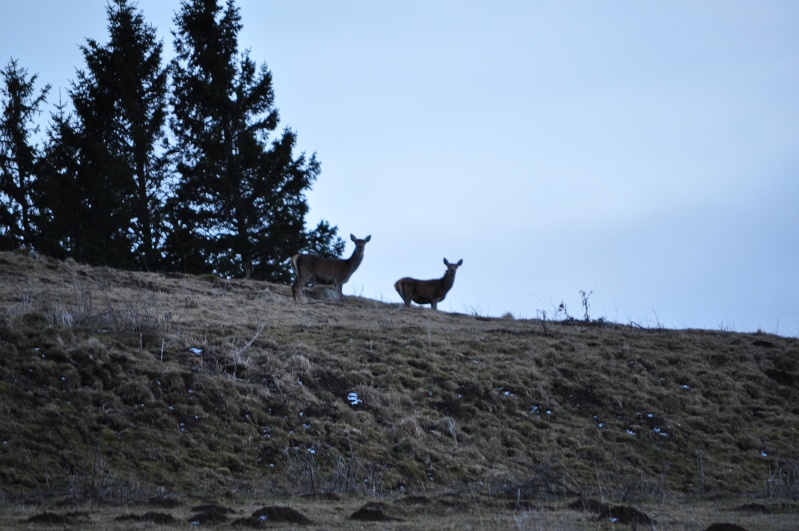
327	271
427	291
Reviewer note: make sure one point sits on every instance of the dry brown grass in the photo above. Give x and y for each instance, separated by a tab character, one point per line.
116	387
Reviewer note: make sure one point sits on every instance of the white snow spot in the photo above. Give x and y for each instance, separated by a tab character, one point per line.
196	351
353	399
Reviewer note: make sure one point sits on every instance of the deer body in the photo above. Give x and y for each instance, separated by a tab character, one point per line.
328	271
427	291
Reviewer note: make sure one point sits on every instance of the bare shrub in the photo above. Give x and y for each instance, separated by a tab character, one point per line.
783	480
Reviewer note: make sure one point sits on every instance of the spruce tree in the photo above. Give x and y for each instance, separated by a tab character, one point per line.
60	202
239	207
115	133
19	158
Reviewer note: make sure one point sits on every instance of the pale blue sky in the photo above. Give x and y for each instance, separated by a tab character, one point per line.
645	151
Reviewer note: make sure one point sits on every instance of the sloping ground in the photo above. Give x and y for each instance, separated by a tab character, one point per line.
122	386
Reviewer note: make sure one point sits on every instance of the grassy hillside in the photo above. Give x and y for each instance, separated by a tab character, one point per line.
119	386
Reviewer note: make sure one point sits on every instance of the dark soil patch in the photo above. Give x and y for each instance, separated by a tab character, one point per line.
210	515
48	518
373	512
281	514
156	518
166	503
589	505
764	344
752	508
251	522
625	515
212	508
725	527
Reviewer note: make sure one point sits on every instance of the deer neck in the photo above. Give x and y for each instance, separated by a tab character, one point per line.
448	279
356	259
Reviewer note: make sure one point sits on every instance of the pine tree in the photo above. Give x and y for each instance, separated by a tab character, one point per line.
239	207
19	159
118	124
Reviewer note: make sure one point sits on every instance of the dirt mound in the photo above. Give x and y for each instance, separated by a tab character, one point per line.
623	514
373	512
251	522
589	505
154	517
210	515
281	514
164	502
47	518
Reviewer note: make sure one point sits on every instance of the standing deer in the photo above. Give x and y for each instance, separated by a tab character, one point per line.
328	271
427	291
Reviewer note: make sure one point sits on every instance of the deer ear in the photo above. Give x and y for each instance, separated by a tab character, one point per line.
367	238
460	262
352	237
445	262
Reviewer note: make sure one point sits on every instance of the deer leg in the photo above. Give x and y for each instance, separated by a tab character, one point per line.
298	286
339	288
296	291
433	304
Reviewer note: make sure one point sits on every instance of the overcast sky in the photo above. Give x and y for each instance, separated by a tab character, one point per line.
647	152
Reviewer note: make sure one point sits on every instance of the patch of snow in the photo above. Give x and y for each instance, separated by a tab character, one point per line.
353	399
